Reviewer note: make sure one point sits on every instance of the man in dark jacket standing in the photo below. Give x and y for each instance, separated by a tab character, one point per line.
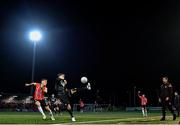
166	98
177	102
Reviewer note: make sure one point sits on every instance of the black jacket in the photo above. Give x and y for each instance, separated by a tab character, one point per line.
176	100
166	91
60	87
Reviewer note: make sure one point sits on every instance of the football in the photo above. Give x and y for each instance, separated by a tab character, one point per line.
84	80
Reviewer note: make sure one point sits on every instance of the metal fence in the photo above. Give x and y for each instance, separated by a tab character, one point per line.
93	107
19	103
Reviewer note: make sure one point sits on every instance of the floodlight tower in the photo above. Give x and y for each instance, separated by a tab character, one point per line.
34	36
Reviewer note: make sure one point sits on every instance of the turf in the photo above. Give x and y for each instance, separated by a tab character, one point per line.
85	118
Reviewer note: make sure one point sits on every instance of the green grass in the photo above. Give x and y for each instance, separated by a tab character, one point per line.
85	118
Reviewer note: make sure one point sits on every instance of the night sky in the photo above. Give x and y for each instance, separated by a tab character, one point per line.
116	45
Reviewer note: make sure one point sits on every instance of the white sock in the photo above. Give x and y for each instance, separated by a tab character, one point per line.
50	112
143	112
146	112
41	110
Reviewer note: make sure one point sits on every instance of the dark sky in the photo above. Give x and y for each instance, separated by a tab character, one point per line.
116	45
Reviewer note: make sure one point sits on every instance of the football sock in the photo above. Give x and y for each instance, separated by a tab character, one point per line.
70	112
143	112
41	110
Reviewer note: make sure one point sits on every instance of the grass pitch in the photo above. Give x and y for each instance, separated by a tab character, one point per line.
85	118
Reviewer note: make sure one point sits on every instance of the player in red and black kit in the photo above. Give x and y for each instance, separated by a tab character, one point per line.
40	91
81	105
143	103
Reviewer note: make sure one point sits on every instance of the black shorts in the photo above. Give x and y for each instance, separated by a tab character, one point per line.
64	99
143	106
54	105
43	102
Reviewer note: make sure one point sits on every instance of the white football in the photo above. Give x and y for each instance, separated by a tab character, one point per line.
84	79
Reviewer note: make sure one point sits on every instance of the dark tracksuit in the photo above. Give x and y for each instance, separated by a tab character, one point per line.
166	91
61	91
63	94
177	103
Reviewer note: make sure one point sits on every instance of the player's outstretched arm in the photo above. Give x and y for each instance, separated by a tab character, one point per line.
139	94
30	84
73	90
65	81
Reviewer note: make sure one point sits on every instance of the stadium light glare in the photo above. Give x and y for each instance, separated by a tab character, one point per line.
35	36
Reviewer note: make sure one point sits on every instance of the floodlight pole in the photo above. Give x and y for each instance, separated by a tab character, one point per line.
33	66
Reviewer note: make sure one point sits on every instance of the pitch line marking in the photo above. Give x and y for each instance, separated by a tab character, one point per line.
120	119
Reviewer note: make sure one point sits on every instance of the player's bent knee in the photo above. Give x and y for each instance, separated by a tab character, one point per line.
47	108
68	107
37	103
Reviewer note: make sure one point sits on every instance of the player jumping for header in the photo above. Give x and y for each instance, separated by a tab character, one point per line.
40	91
143	103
